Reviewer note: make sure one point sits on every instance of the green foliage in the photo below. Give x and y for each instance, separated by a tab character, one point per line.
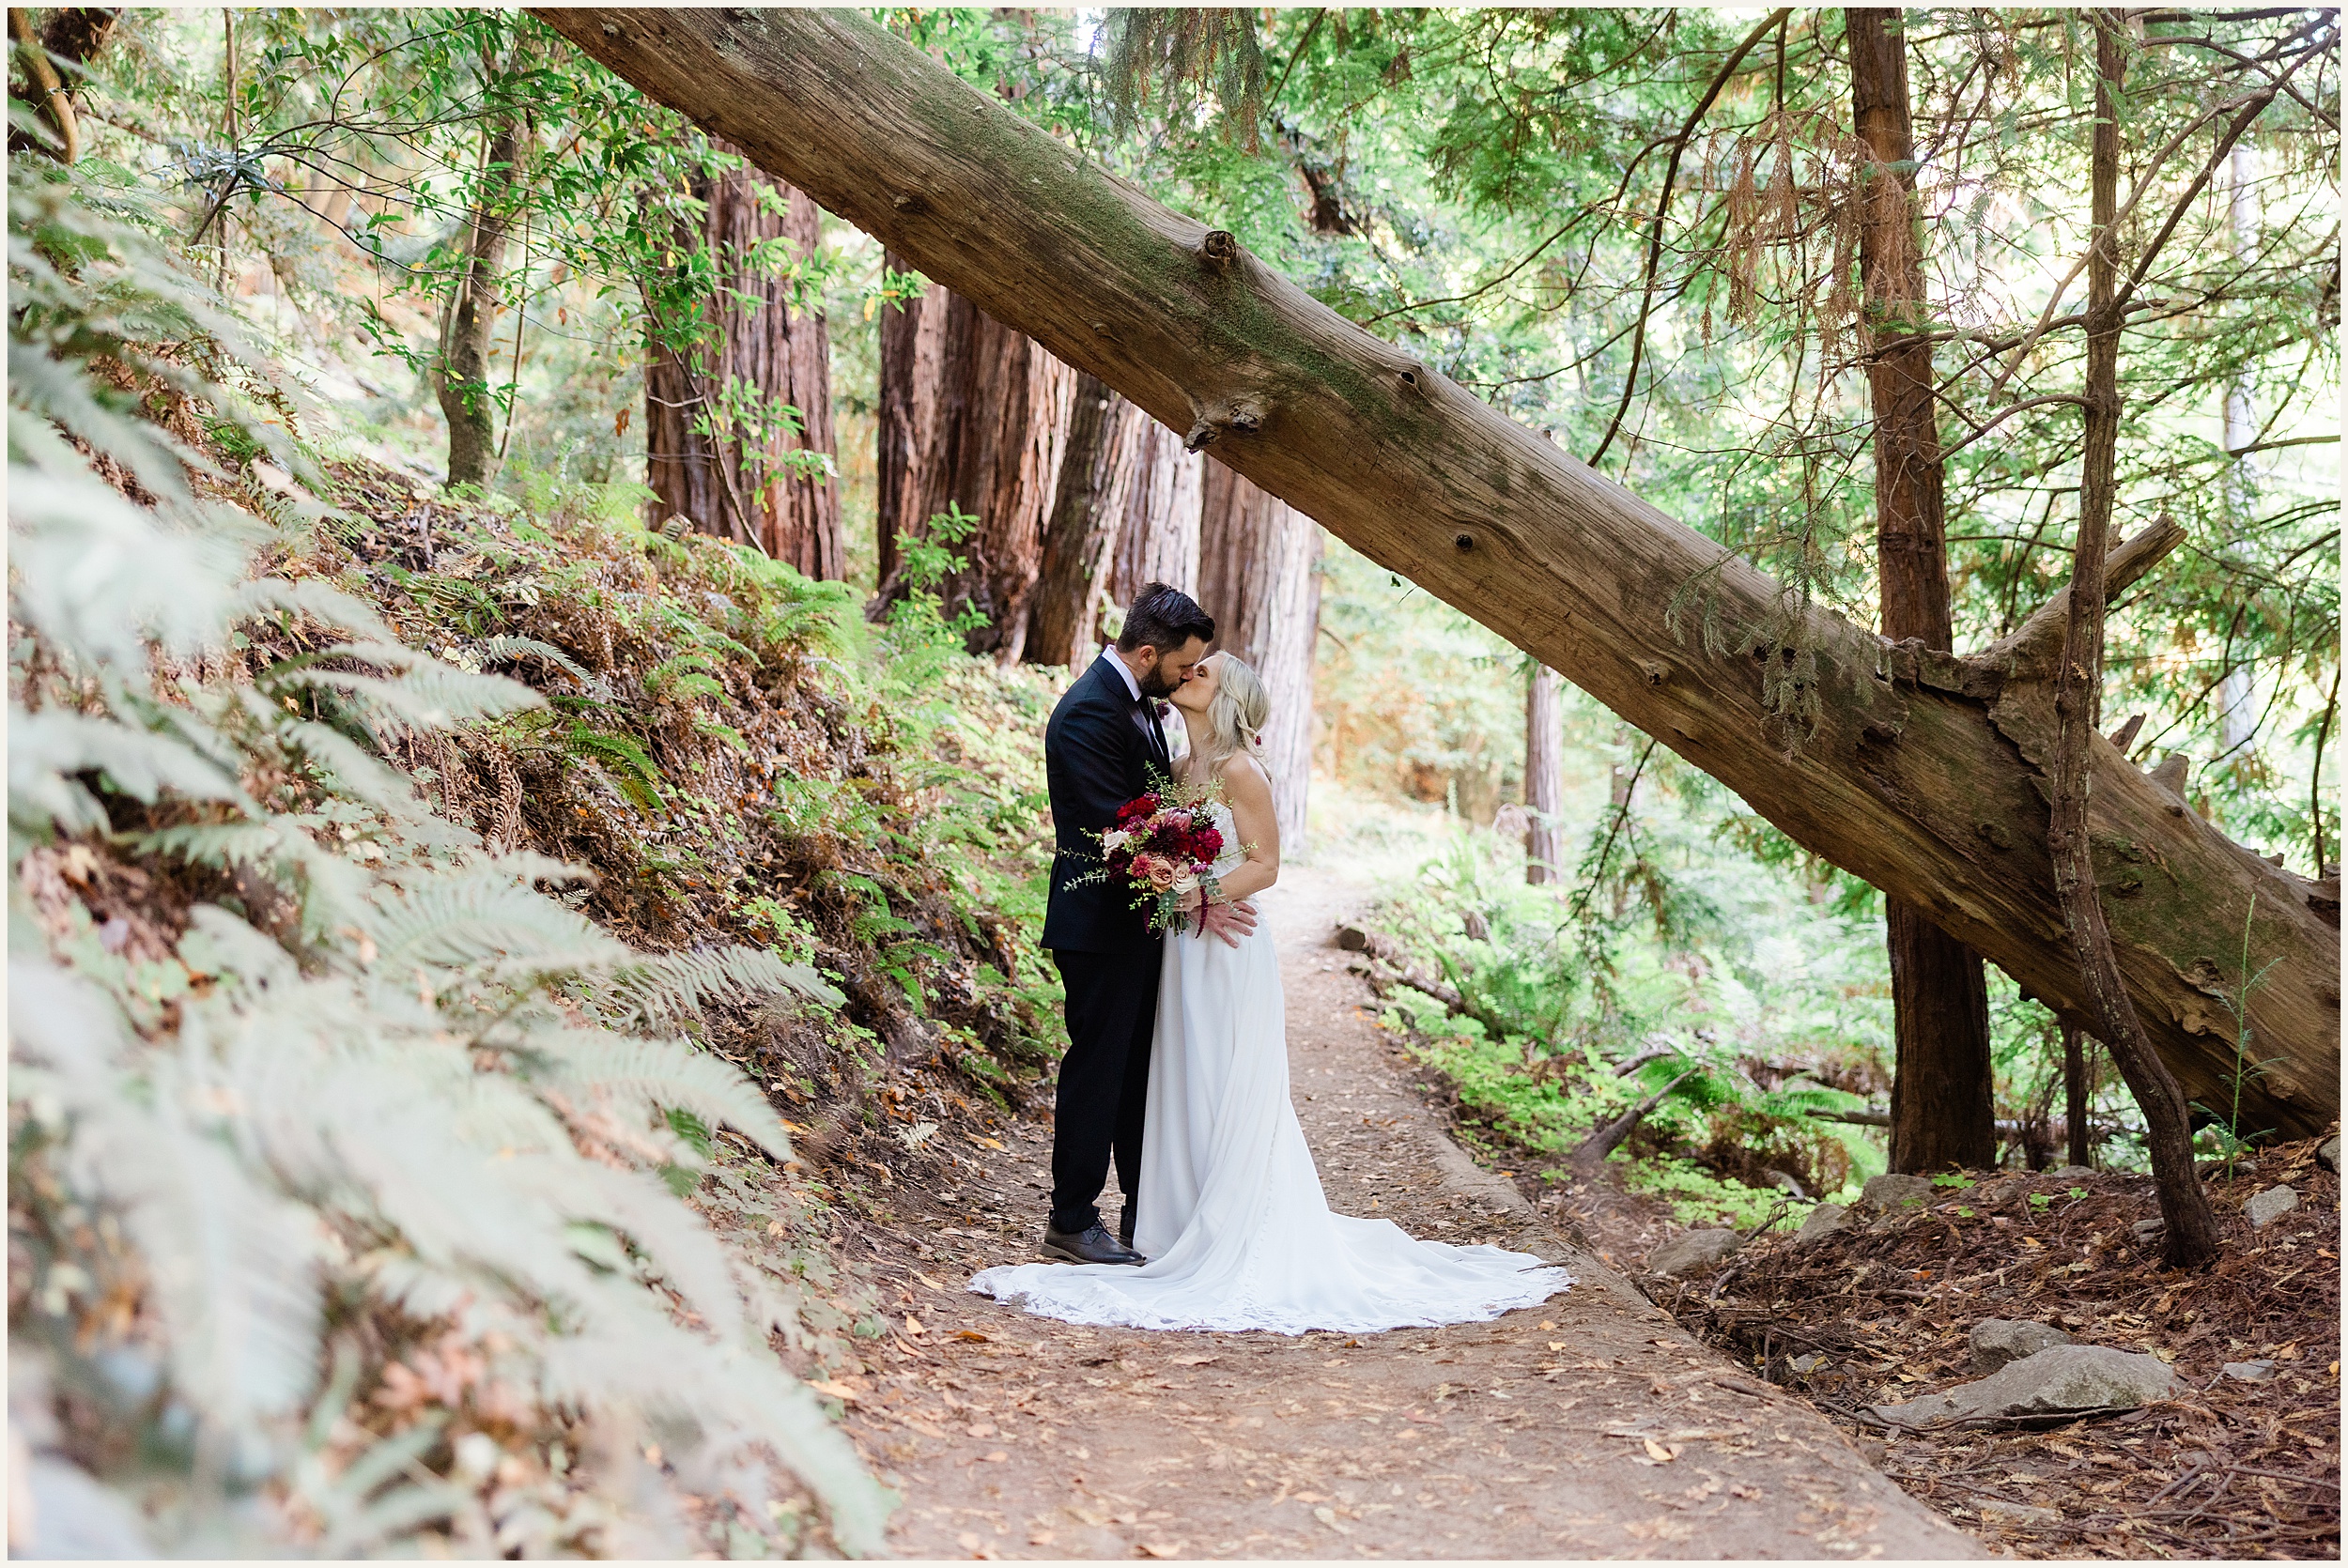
357	1063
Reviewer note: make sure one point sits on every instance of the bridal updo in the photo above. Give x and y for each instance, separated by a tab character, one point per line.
1235	716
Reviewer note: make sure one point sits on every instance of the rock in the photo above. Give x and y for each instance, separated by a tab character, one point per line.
2249	1372
1891	1192
2266	1207
1804	1365
1821	1222
2063	1380
1692	1249
1995	1511
2327	1153
2000	1341
2147	1231
2066	1173
1785	1181
2232	1170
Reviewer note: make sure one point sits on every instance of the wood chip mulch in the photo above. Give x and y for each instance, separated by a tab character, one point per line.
1879	1314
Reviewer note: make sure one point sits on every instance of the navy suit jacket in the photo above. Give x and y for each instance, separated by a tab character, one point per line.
1095	760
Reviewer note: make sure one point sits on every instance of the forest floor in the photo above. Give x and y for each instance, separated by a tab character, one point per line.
1591	1425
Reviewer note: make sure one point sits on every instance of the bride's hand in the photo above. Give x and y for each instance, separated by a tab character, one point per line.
1189	902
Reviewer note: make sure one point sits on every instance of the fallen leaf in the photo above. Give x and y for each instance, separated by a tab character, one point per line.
995	1458
1194	1361
913	1325
1659	1453
840	1391
1162	1548
971	1334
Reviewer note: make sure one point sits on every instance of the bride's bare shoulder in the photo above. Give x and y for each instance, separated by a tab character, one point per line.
1243	778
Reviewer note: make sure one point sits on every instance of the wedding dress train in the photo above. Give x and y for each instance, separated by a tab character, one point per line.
1231	1215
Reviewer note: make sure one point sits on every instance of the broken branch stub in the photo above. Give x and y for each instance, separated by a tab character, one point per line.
1927	778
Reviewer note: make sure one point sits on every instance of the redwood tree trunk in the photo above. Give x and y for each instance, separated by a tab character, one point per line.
1544	775
1259	578
461	379
1158	529
973	415
2191	1236
1102	432
1943	1110
735	483
1920	773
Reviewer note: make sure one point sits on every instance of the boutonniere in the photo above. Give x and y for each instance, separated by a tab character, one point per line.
1164	709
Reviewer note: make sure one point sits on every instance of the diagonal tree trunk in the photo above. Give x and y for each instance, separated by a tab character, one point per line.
2190	1235
1943	1088
1921	772
736	481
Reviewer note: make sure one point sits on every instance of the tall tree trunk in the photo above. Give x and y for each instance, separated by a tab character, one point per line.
733	481
972	415
461	379
1943	1087
1259	578
2190	1235
2237	714
1544	775
1158	537
924	382
1104	435
1921	772
2074	1095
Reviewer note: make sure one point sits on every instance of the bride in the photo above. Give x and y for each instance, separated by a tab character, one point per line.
1231	1216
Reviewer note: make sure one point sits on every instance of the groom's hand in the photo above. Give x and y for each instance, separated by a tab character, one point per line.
1228	921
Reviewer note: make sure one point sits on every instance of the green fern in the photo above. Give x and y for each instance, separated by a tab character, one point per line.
388	1100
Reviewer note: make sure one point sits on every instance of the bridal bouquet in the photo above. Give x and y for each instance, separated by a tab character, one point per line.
1162	849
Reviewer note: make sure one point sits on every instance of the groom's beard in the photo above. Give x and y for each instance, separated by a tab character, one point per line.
1155	684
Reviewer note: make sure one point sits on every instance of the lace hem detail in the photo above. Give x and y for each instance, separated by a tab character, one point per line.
1098	1303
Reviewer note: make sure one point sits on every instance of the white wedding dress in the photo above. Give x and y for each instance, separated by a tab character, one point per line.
1231	1215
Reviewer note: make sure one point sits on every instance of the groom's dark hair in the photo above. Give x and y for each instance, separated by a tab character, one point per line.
1164	617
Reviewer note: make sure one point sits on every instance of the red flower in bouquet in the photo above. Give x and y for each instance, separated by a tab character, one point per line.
1162	849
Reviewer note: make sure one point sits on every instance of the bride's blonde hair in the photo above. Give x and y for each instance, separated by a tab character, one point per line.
1235	716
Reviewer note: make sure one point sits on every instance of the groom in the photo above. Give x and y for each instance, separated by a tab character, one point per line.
1103	743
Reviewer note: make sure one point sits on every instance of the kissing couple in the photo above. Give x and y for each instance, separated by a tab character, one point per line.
1177	1058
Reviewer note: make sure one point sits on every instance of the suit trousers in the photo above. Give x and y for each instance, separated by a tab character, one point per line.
1104	1079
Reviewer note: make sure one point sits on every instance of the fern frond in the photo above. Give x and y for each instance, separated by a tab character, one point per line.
660	993
231	1264
499	650
47	749
645	1074
486	916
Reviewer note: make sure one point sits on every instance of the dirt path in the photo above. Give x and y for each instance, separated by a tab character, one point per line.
1591	1425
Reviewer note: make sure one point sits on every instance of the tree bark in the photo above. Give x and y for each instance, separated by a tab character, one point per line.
1943	1086
2190	1235
1259	578
1158	538
734	482
461	379
915	379
1921	772
972	415
1544	776
1096	474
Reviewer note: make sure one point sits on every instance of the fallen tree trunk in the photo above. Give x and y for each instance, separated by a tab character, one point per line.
1923	773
